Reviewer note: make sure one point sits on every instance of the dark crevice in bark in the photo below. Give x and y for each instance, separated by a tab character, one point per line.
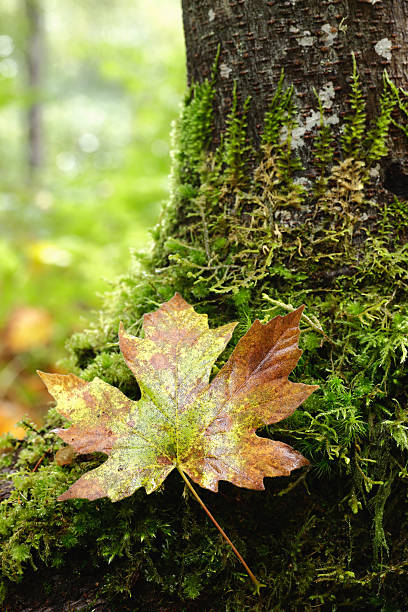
396	181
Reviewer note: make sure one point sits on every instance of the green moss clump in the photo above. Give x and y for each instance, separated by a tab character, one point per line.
248	236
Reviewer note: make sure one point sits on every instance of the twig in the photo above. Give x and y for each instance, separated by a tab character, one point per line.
294	484
290	308
252	576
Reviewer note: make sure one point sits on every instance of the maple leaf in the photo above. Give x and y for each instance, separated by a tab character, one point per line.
205	430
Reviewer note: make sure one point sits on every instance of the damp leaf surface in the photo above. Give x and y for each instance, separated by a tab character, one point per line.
204	429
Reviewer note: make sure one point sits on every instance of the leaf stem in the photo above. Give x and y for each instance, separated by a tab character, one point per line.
252	576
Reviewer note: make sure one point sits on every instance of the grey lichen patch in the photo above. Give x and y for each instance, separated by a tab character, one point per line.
306	40
225	71
330	33
383	48
304	182
327	94
308	125
305	125
374	172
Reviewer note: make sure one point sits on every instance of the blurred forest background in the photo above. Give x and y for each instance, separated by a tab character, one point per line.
88	90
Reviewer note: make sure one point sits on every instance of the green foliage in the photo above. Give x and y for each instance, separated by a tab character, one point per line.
371	146
277	114
276	138
401	96
235	152
355	125
7	442
332	424
323	149
376	141
196	125
288	162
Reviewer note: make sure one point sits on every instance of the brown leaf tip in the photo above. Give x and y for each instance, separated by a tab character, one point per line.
177	302
292	319
84	488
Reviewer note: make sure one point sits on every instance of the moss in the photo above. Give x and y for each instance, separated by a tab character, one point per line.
355	126
247	236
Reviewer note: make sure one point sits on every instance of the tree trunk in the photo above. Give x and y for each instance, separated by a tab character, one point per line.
313	42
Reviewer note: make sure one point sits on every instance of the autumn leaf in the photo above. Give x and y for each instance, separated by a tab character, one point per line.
205	430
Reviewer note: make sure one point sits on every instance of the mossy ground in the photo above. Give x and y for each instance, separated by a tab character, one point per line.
247	234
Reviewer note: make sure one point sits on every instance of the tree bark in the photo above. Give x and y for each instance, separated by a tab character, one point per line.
312	41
